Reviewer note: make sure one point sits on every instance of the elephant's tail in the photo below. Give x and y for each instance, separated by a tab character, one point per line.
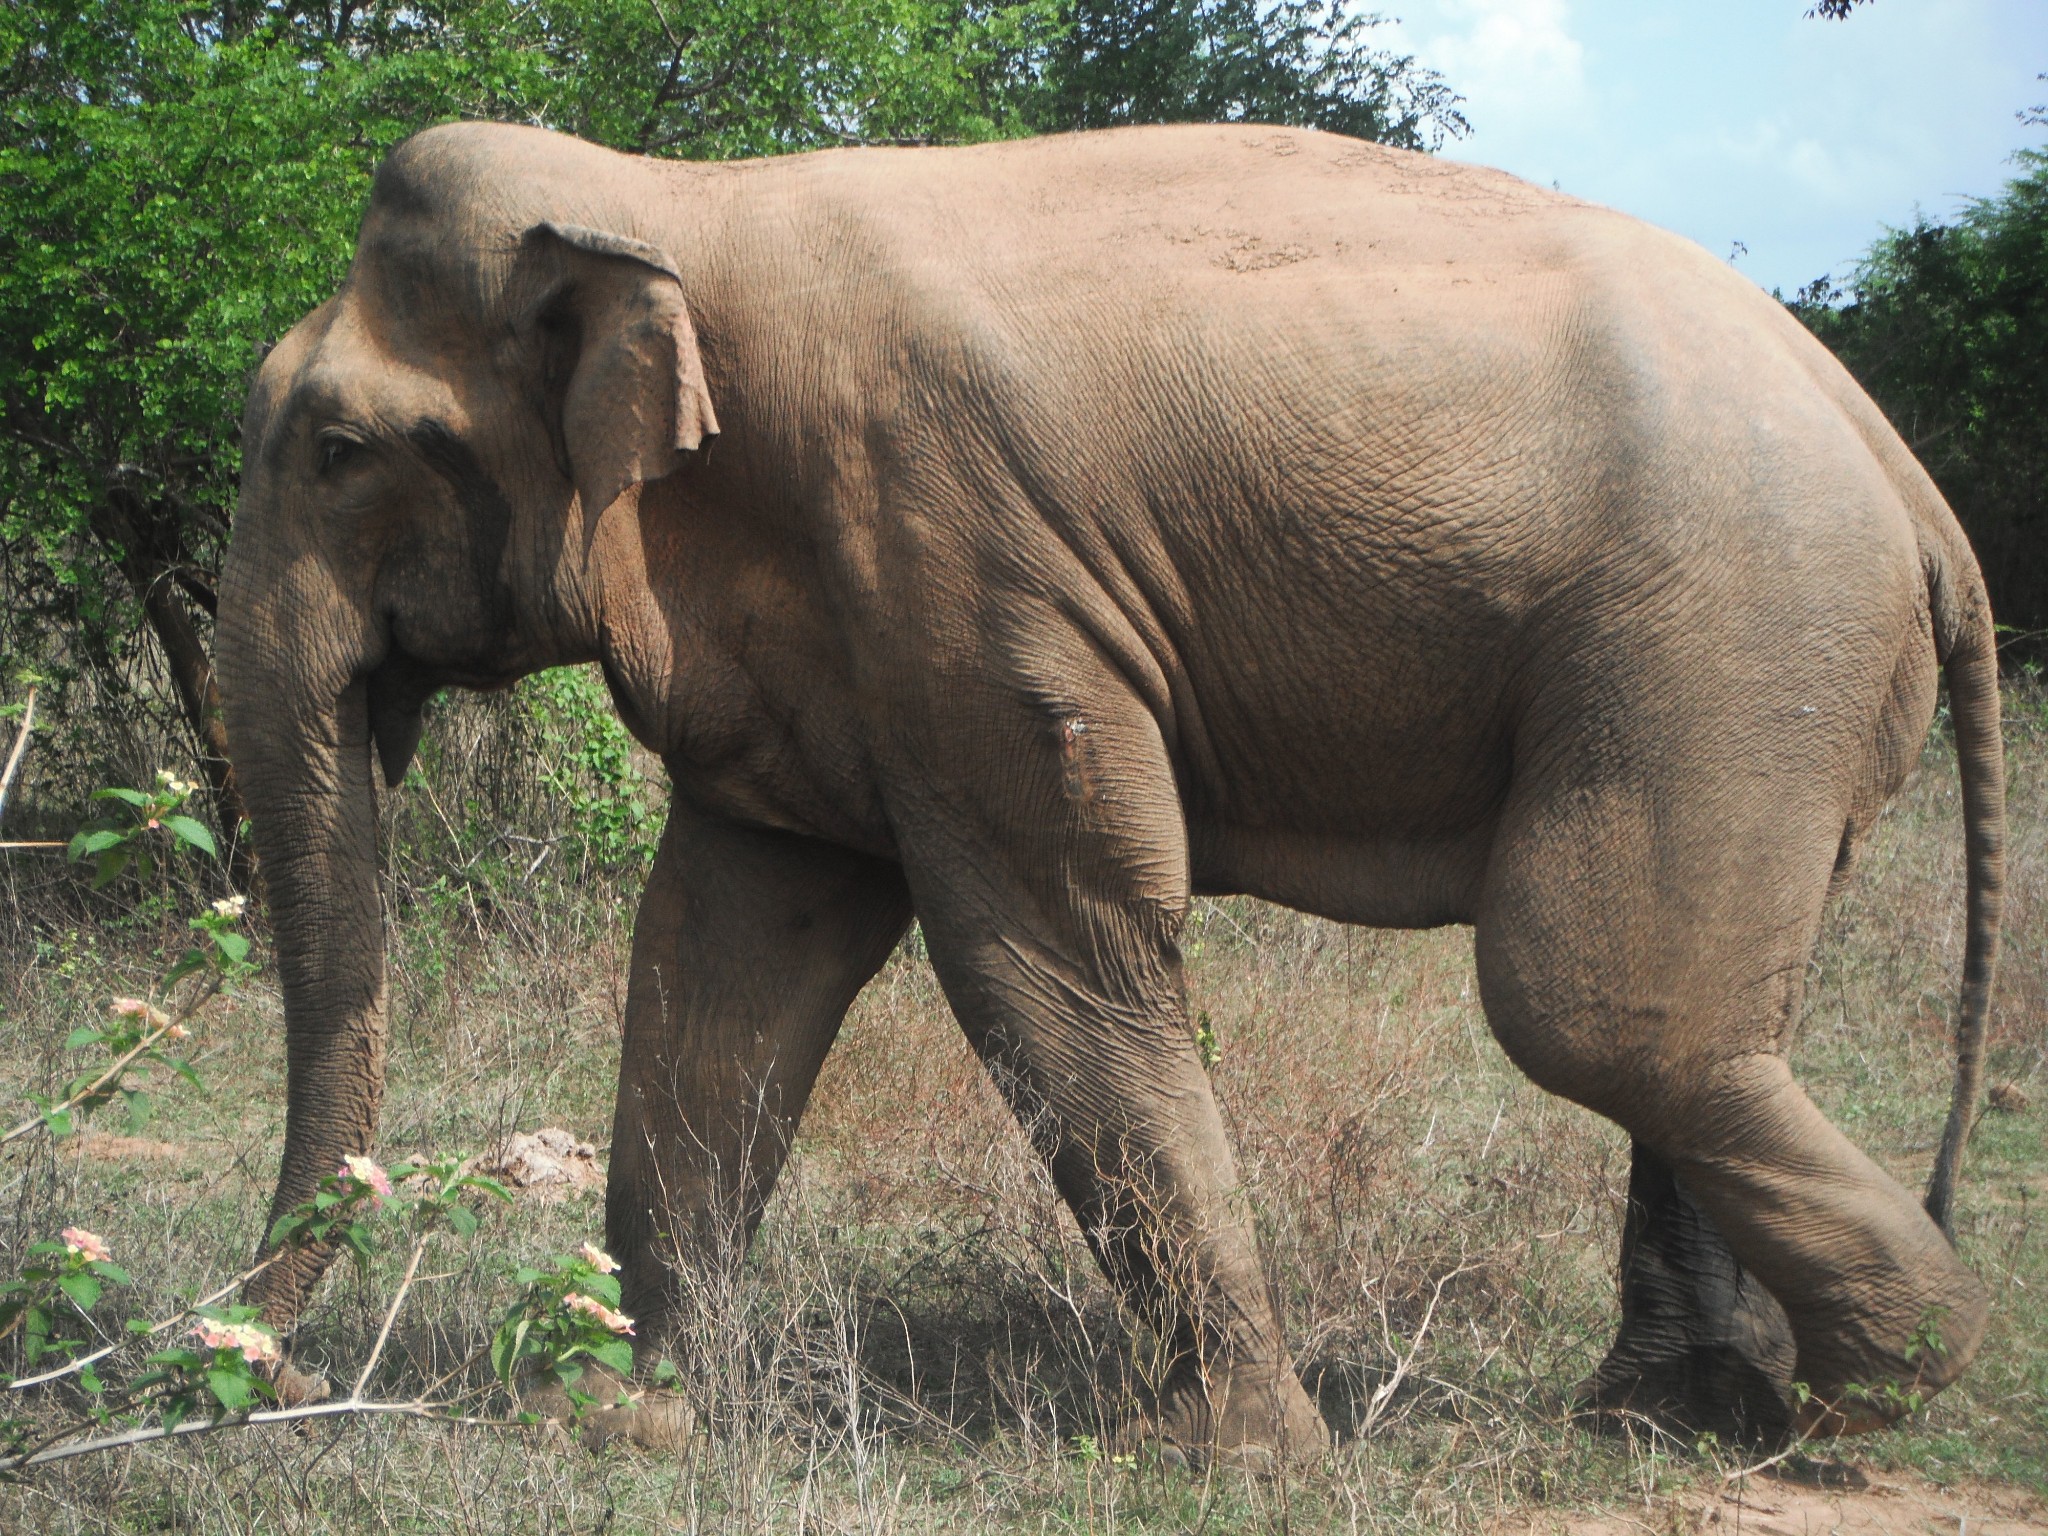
1967	644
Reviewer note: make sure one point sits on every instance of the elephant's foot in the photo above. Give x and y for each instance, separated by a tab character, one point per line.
1246	1418
1703	1347
618	1412
296	1388
1864	1373
1689	1390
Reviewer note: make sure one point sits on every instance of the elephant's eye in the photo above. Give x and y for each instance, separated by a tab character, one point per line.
336	449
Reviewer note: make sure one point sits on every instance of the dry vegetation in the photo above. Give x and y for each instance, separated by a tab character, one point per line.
920	1341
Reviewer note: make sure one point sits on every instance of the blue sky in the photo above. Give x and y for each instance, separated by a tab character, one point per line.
1742	120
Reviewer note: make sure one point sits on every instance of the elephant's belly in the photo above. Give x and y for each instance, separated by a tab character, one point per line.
1379	881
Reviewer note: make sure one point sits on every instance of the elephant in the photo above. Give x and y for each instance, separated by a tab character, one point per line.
1025	538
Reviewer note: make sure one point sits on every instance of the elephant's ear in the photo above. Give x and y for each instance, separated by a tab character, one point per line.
621	379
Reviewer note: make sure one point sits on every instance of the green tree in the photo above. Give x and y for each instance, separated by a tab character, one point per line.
179	182
1302	63
1947	326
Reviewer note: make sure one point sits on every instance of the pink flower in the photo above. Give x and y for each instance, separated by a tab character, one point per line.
136	1008
599	1260
256	1343
366	1173
598	1312
87	1246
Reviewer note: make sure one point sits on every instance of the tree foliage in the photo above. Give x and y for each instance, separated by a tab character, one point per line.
1305	62
180	180
1947	326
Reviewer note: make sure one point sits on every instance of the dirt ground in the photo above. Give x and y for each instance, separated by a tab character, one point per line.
1840	1501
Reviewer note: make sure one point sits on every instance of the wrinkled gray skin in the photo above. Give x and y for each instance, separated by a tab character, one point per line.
1098	520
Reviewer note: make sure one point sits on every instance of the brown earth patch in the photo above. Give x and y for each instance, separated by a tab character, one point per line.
1841	1502
100	1147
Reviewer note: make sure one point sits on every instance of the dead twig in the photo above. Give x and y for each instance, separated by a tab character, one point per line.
72	1367
120	1063
28	721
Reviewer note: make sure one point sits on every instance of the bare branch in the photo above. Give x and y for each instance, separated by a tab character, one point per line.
28	721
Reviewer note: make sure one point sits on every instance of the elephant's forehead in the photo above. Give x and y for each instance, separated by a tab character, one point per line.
353	367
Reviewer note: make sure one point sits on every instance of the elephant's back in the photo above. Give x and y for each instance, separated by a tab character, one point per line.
1390	452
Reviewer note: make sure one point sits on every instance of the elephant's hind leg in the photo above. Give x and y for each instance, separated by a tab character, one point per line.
1641	951
1702	1344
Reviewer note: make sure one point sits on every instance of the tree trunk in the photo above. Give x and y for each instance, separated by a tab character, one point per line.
118	522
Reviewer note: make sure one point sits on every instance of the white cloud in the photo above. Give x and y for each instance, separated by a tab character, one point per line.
1514	60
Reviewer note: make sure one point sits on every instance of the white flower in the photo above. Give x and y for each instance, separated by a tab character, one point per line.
599	1260
231	906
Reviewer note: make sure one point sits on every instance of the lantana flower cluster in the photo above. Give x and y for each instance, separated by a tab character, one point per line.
598	1312
256	1344
365	1172
86	1245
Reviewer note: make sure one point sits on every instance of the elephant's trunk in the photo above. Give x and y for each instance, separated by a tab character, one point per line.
298	723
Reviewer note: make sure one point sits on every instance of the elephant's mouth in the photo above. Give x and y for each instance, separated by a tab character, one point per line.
398	692
399	688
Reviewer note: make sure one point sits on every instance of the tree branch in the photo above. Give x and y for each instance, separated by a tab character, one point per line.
28	720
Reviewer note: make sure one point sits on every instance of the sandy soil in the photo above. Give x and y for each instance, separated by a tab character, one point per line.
1841	1501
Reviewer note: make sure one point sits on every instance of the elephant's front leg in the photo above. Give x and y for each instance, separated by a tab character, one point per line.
749	949
1047	853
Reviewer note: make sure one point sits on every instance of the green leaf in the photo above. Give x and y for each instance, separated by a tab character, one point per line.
461	1221
110	866
83	1289
132	797
186	830
84	1035
114	1274
615	1353
230	1385
507	1347
234	945
86	844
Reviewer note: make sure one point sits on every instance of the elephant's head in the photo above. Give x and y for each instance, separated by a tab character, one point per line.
422	455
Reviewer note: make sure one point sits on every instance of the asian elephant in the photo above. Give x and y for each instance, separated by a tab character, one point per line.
1027	537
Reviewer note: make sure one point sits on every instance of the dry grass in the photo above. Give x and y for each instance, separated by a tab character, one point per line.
920	1340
